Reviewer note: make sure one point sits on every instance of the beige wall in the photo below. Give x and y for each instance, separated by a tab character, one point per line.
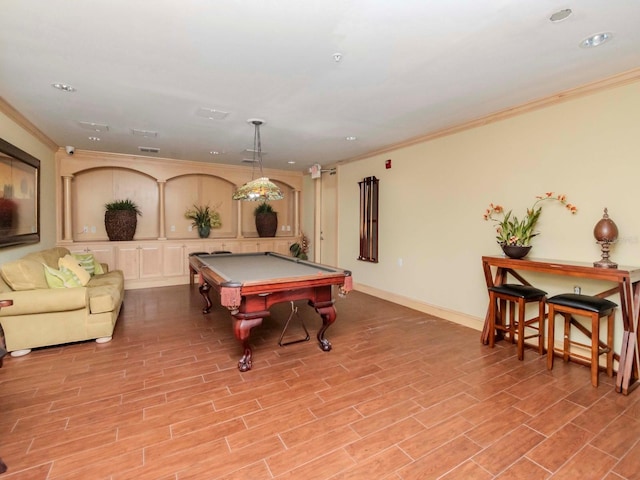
16	134
433	198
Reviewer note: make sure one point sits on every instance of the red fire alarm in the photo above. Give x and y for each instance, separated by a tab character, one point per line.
387	164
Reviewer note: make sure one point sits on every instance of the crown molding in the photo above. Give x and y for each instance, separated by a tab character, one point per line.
23	122
614	81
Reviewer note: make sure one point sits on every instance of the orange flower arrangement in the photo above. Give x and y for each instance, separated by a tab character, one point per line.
512	231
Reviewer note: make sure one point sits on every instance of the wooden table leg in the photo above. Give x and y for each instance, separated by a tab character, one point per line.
627	376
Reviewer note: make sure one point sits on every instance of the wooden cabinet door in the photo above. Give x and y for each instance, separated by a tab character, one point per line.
250	246
282	247
151	261
128	260
174	258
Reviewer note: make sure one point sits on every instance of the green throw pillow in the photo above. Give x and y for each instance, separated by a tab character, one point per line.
86	261
63	278
89	263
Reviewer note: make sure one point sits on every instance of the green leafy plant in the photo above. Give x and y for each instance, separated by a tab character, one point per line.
263	207
514	231
300	249
125	204
204	216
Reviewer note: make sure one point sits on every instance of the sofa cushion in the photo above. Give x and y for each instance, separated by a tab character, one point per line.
70	263
114	277
49	256
4	287
62	278
24	274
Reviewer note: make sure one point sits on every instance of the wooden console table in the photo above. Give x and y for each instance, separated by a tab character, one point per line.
627	280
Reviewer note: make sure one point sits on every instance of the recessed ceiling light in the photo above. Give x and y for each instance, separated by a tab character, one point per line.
596	40
560	15
350	138
64	87
291	162
94	139
217	152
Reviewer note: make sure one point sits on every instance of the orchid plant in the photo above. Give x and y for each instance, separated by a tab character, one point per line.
514	231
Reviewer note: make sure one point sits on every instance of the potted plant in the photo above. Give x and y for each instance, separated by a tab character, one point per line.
513	234
204	218
121	219
266	220
300	249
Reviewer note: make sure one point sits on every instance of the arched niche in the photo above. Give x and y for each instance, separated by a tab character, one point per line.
91	189
285	209
184	191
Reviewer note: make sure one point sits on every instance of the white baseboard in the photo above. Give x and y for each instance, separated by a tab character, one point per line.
453	316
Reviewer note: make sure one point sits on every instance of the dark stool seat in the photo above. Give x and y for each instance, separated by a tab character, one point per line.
569	304
520	295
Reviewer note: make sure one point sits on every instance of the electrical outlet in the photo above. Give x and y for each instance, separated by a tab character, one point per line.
577	290
85	229
93	229
173	228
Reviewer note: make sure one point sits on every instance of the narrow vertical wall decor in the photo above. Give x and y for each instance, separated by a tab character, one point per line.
369	219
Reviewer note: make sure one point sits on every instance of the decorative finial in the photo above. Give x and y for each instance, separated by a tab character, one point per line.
605	232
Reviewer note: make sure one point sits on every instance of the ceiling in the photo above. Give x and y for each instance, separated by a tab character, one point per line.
407	68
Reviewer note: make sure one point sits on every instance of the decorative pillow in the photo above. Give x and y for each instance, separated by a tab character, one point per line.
89	263
63	278
86	261
97	267
72	264
24	275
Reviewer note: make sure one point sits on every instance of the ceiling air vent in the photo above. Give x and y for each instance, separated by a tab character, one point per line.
212	113
144	133
95	127
149	149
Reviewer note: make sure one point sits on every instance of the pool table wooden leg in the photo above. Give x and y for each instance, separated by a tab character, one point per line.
328	314
204	291
242	330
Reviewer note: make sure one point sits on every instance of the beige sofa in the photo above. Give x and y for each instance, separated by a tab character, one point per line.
42	316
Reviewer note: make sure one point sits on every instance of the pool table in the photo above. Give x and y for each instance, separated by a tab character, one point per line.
249	283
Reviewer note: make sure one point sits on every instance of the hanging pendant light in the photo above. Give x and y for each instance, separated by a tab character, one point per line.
260	188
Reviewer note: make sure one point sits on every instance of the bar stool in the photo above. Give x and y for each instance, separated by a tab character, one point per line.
518	295
569	304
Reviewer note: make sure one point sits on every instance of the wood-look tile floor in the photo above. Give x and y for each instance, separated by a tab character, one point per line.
402	395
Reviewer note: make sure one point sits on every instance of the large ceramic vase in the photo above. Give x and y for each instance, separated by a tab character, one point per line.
267	224
516	251
120	224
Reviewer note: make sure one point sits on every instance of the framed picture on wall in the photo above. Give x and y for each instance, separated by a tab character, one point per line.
19	196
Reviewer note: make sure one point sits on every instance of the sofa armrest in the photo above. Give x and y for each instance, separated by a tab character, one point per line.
44	300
